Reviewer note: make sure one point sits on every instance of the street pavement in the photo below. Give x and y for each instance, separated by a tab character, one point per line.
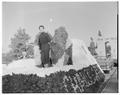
112	84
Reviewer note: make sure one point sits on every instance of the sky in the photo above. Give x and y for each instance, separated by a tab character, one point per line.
82	20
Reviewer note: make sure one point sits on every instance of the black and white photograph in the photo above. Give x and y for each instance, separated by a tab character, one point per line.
60	47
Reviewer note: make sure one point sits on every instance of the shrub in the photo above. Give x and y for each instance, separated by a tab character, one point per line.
7	57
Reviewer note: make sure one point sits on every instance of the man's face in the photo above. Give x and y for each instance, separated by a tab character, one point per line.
41	29
91	39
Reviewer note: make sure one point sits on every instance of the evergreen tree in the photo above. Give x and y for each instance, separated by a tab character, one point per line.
19	43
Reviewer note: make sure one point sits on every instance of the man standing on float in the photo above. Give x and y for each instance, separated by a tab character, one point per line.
43	39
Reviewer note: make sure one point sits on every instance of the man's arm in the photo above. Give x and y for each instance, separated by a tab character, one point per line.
50	36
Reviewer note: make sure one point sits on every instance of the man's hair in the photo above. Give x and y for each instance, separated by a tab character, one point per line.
91	38
41	26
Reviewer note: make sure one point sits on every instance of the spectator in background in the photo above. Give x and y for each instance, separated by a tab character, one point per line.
92	47
108	49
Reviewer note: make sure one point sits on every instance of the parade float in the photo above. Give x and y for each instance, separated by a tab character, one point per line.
84	75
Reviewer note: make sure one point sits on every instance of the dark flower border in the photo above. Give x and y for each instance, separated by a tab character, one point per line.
86	80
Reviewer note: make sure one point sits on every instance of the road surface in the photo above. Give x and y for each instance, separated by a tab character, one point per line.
112	85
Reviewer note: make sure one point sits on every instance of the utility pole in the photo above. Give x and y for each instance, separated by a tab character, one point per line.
117	36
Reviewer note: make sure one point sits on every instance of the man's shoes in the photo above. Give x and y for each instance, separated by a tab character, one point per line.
40	66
